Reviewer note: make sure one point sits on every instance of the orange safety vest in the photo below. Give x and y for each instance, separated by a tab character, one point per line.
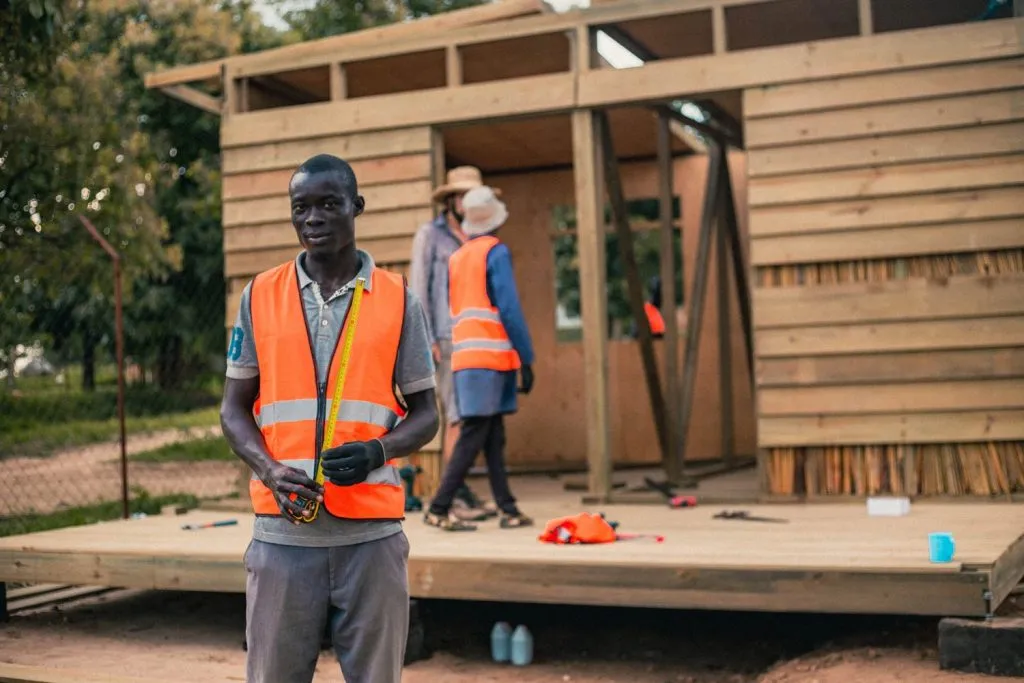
291	407
479	339
654	318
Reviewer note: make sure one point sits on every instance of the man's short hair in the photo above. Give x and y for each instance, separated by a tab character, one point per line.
328	163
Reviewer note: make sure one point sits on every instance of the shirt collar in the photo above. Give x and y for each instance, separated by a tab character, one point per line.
366	267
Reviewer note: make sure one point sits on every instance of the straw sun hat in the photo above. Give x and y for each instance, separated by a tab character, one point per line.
460	179
483	211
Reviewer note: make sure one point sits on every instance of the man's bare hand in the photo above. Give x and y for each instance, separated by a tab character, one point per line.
435	349
284	481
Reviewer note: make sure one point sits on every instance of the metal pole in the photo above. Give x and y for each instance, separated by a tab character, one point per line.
119	342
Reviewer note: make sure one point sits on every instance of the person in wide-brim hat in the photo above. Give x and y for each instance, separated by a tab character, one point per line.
459	180
482	211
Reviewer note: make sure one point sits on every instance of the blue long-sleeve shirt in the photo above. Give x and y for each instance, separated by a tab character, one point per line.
481	393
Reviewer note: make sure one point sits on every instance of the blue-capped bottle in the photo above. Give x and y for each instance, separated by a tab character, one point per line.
522	646
501	637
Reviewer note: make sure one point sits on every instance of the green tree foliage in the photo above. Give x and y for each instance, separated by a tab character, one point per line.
330	17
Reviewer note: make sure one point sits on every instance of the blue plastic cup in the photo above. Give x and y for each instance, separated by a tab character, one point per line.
941	547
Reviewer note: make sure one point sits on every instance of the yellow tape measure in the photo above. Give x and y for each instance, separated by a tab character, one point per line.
346	350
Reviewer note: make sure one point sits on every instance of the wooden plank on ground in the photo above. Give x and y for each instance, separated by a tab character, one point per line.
900	428
289	154
380	171
20	673
898	335
1007	572
66	594
945	112
888	211
887	181
888	242
512	97
413	194
853	91
402	223
955	143
918	397
668	78
238	264
35	589
913	366
912	299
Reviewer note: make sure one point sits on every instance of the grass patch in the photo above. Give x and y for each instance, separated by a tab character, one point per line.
198	450
43	438
89	514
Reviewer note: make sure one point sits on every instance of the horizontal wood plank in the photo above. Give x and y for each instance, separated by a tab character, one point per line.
944	112
911	299
289	154
923	397
369	172
914	366
512	97
818	60
402	224
956	143
901	428
886	181
888	242
249	263
857	214
852	91
408	195
928	335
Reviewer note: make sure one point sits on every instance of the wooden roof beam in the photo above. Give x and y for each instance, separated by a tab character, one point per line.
196	98
209	72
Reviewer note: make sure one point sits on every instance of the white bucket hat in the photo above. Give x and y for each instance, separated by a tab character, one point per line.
483	211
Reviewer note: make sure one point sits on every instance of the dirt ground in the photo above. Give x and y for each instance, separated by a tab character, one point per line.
80	476
175	637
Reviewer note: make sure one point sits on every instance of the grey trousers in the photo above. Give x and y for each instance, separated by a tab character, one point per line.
293	593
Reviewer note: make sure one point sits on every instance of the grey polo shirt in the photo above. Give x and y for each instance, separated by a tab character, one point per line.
325	317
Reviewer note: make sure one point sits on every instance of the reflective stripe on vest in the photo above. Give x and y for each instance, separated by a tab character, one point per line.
291	402
479	339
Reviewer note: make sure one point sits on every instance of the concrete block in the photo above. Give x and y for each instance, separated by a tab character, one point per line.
416	642
994	647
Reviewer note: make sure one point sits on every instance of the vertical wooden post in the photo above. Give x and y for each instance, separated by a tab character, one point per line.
584	49
437	165
229	95
668	287
339	86
243	94
865	15
634	288
724	331
453	66
700	280
593	299
739	264
718	32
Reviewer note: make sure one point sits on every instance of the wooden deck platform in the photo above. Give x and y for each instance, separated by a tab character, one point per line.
830	558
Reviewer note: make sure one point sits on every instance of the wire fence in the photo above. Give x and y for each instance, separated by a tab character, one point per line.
60	453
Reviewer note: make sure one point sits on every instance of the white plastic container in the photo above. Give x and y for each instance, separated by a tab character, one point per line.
888	506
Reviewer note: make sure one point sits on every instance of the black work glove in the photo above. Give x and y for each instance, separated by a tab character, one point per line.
527	372
351	463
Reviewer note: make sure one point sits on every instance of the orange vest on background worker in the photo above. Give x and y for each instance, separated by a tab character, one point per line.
654	318
479	339
291	408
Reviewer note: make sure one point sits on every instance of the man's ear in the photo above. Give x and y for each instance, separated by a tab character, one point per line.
360	205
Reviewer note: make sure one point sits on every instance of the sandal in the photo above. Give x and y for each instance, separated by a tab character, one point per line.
515	521
447	522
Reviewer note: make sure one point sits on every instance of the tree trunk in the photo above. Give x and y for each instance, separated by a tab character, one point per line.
11	356
88	363
169	364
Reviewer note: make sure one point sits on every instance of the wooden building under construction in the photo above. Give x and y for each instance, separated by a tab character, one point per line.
838	187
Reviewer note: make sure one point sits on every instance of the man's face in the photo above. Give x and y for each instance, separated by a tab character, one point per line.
324	208
455	205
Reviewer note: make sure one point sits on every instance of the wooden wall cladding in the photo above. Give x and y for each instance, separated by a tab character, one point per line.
887	239
394	171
